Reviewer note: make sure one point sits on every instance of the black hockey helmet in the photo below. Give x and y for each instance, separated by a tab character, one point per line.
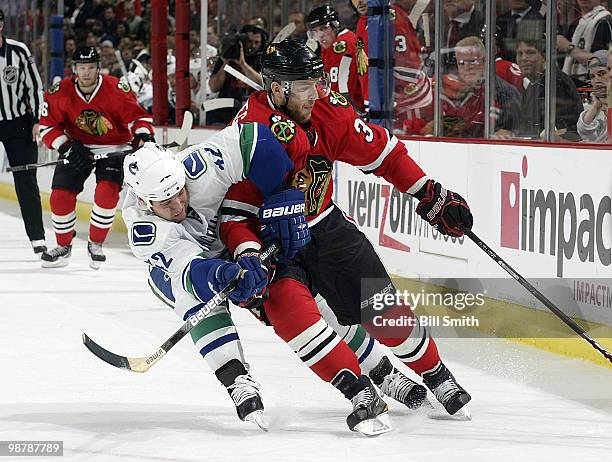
290	60
85	55
323	16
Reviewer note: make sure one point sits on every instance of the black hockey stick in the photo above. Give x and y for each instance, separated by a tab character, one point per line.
143	364
537	294
181	143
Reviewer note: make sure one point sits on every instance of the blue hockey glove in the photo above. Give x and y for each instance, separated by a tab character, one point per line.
209	276
282	219
256	273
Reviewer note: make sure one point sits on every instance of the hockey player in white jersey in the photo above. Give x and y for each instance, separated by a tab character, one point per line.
172	211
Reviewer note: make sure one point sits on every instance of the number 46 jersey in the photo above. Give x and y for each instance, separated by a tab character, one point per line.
246	153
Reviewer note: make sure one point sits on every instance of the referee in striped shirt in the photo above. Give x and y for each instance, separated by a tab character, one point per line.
21	94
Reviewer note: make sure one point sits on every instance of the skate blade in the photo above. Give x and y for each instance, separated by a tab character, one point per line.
54	264
374	427
95	264
258	419
462	415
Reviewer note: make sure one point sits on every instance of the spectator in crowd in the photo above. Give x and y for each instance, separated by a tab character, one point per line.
131	18
593	121
243	52
299	19
463	19
587	34
213	38
462	100
82	11
531	59
109	22
521	11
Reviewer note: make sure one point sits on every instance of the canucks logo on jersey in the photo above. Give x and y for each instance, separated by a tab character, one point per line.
143	233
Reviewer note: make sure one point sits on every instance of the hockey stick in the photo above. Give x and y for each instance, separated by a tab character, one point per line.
98	156
180	142
284	33
144	363
537	294
240	76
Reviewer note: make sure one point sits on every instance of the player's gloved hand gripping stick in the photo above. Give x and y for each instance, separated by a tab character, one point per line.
181	143
143	364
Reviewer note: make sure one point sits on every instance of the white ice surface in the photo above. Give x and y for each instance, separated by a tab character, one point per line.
527	405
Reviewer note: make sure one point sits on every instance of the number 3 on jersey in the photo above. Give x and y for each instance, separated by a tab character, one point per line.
362	127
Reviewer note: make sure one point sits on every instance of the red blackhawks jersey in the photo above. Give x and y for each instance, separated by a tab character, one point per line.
362	34
111	116
413	88
347	64
335	133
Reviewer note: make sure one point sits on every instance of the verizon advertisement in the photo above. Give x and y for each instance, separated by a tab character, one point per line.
547	211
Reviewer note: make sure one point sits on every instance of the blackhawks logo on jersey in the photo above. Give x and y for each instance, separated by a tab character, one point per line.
313	180
283	129
93	123
336	99
362	58
124	86
340	46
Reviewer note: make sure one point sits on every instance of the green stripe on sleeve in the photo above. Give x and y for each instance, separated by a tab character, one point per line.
248	141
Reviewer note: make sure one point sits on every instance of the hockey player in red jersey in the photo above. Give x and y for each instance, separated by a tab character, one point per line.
413	88
343	55
317	130
77	115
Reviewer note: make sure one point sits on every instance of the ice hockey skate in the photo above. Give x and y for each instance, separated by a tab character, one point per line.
57	257
445	388
244	391
394	384
96	256
369	416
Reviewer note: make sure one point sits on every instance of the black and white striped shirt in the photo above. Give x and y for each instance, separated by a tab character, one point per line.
21	89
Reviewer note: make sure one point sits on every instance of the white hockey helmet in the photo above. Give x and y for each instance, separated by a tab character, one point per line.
153	173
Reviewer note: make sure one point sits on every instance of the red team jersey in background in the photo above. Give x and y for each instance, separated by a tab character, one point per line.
347	63
362	34
111	116
336	132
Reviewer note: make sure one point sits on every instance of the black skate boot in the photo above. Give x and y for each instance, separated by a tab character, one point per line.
369	416
57	257
96	256
244	391
396	385
446	389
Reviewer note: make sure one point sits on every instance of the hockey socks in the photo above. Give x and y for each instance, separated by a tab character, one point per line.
294	315
103	212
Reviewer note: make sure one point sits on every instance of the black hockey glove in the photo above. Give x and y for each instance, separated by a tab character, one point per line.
140	139
445	210
78	156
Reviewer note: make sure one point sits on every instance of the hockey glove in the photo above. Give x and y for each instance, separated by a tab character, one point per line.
445	210
282	219
140	139
78	156
209	276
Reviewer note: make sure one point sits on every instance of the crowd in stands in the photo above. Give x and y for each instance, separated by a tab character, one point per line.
121	29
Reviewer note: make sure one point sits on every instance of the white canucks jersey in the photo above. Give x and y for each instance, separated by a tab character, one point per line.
237	152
